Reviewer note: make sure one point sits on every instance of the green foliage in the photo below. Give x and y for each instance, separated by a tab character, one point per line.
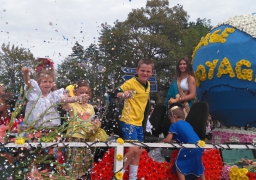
12	59
69	72
83	64
155	31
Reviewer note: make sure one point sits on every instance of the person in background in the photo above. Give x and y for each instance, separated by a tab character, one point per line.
5	114
135	92
209	127
7	106
189	160
183	87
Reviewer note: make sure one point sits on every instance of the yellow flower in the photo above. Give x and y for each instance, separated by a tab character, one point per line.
243	171
20	140
244	177
120	141
119	175
119	157
201	143
234	171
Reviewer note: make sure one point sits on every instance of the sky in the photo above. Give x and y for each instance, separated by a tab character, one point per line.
50	28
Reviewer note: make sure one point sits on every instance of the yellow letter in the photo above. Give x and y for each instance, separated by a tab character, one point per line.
245	74
212	66
200	74
225	68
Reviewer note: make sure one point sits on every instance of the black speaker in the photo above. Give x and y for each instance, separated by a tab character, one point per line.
166	125
197	118
157	118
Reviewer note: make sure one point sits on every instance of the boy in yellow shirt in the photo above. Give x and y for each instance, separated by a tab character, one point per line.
135	92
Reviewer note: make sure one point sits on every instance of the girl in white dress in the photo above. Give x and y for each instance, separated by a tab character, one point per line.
43	99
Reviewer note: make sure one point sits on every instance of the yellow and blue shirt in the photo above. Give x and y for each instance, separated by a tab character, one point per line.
134	107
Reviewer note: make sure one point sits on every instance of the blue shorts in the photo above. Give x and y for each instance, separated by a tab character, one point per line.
131	132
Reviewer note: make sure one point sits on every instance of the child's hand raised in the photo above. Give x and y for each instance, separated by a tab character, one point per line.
83	98
25	70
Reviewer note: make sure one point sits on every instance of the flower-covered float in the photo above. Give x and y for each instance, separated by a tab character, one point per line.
225	66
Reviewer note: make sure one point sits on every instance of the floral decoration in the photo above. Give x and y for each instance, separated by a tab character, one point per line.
20	140
120	141
245	23
150	169
212	66
119	157
201	143
213	164
216	37
225	68
221	38
245	74
119	175
234	173
44	63
200	74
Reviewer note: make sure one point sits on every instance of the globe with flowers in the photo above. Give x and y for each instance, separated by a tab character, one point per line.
224	62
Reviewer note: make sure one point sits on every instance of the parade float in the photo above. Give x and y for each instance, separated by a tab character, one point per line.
224	62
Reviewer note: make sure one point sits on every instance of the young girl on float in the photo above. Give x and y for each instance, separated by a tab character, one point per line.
82	127
189	160
41	110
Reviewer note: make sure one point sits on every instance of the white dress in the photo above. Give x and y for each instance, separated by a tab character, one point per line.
51	117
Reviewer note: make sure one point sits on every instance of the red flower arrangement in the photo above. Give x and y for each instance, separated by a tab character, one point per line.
44	63
149	169
251	175
212	163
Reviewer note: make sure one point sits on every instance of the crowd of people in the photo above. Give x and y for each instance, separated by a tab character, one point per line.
42	115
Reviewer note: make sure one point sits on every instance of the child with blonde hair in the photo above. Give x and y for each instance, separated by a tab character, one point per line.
189	160
43	98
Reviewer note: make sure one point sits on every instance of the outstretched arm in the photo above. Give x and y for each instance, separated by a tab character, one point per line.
26	76
80	99
168	138
124	95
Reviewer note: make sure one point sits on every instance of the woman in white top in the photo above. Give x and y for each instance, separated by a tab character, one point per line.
183	87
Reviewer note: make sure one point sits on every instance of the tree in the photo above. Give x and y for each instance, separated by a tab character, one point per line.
155	32
69	72
193	33
82	64
12	59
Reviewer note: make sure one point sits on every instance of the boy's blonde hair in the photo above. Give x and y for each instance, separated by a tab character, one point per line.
178	111
147	62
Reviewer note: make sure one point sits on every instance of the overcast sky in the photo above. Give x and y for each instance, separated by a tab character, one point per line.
51	27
